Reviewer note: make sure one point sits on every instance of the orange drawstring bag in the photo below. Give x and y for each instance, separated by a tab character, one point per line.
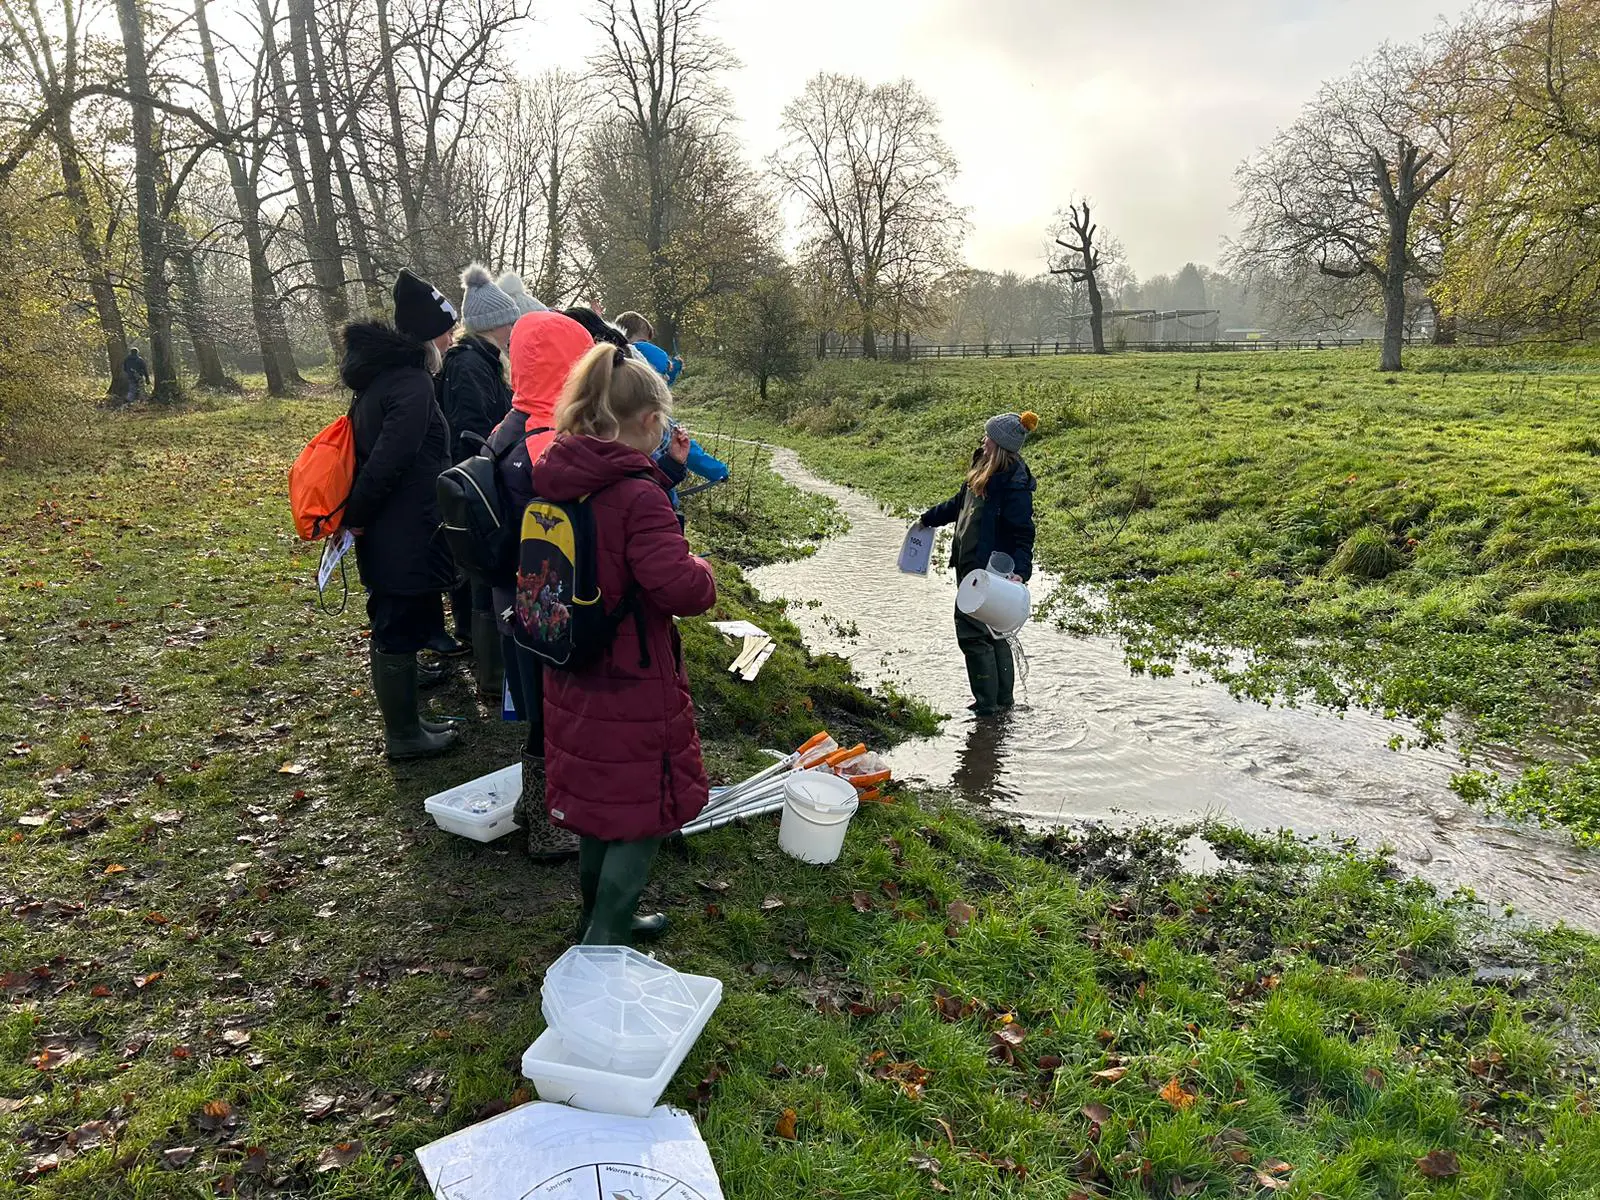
320	481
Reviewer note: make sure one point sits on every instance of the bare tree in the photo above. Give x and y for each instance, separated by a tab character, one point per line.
559	106
872	171
151	227
1338	190
277	357
55	76
327	263
1080	230
659	67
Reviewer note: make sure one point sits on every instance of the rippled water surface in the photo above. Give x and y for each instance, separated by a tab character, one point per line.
1089	740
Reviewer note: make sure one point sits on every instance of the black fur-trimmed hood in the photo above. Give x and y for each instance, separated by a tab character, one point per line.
373	347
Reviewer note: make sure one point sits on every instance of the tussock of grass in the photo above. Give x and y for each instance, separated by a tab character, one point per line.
1366	554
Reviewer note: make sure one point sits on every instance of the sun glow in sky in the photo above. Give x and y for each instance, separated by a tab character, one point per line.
1147	106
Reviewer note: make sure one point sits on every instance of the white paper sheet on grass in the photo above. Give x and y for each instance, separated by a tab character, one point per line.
739	629
552	1152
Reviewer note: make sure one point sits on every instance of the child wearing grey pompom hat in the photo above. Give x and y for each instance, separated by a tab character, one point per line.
511	284
992	512
485	306
475	396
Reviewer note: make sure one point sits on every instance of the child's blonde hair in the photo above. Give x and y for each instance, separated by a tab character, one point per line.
606	388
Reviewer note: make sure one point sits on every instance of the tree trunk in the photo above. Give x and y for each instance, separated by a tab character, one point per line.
1444	328
410	204
151	228
291	142
869	336
359	244
550	273
107	310
277	357
192	313
1097	320
1394	288
327	264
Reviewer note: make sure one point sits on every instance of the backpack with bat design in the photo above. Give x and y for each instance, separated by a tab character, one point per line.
560	615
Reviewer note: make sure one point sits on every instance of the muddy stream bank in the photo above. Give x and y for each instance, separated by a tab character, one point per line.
1090	741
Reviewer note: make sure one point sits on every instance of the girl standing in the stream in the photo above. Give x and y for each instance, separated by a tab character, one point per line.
992	511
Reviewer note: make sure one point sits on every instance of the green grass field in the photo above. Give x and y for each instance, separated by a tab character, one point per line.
1296	525
237	959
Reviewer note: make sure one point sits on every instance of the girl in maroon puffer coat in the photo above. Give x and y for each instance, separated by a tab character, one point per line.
622	764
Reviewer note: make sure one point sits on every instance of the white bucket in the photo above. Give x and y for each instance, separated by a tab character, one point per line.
817	809
1000	603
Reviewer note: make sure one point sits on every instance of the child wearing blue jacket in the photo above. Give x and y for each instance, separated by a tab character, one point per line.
640	331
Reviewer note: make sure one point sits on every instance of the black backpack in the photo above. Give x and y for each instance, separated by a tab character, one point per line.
478	523
560	615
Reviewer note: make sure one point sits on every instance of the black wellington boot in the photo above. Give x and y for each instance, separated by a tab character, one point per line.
488	667
394	683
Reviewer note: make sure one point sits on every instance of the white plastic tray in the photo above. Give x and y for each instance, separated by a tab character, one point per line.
562	1077
616	1009
480	809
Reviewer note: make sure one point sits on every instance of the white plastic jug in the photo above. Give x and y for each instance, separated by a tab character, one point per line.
916	552
817	809
1000	603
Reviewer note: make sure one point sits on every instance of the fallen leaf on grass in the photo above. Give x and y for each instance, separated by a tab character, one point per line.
99	991
1180	1188
949	1133
155	918
292	768
1178	1096
340	1154
318	1106
1374	1078
1270	1182
144	981
114	869
1098	1114
169	817
960	915
255	1160
924	1162
214	1115
785	1127
861	902
1109	1075
1003	1042
178	1156
890	889
475	973
237	1038
88	1135
1439	1164
771	904
180	1052
715	886
951	1008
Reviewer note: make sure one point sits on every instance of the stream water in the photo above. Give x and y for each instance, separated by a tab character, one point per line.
1090	741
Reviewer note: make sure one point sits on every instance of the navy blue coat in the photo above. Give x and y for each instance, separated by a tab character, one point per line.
1006	523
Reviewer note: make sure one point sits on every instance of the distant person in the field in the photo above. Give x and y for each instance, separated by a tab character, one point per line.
135	373
992	511
640	331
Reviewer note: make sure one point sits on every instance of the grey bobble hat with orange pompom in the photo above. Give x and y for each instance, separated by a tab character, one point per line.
1010	430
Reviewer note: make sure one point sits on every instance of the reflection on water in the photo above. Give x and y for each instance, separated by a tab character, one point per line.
1091	741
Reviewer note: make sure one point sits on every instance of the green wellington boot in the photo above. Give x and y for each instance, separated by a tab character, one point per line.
394	683
1005	674
488	668
624	871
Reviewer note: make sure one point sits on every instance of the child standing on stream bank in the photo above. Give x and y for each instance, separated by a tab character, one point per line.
993	511
623	769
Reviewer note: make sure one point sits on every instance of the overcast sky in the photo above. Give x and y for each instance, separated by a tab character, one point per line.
1145	105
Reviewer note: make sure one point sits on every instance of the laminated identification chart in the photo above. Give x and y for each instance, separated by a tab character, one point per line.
551	1152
